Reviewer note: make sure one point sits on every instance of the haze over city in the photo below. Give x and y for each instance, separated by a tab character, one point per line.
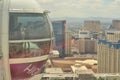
82	8
77	40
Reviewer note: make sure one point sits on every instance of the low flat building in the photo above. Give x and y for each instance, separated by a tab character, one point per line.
86	75
78	67
107	76
53	70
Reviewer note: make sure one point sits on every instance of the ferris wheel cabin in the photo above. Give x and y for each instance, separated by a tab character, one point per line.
25	38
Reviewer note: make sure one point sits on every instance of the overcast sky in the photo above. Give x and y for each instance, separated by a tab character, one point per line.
82	8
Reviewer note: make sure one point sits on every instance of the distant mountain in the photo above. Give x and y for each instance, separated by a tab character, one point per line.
81	20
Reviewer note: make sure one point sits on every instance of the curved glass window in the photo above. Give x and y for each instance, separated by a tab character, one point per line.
29	35
29	49
25	26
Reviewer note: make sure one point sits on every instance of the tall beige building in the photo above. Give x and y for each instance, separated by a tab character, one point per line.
81	45
68	39
112	36
108	57
92	26
109	53
90	46
87	46
116	24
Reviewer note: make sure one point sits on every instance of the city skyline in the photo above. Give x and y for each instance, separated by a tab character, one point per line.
82	8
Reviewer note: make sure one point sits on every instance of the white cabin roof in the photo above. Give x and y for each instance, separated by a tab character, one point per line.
25	6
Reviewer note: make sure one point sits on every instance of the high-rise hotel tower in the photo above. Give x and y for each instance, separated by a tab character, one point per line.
109	53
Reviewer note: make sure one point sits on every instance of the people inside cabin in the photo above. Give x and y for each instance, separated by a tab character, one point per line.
23	32
20	32
17	28
15	31
25	50
15	50
45	48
